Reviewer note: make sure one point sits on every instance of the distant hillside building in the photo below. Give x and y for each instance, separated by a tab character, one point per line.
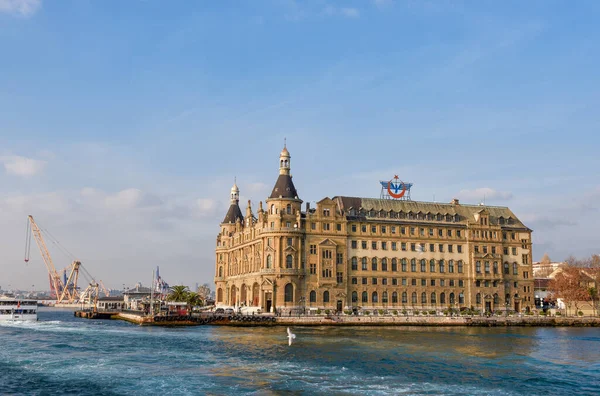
371	253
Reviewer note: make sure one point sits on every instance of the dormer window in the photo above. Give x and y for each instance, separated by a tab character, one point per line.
456	218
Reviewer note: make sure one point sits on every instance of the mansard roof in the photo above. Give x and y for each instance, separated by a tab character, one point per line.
464	211
233	214
284	188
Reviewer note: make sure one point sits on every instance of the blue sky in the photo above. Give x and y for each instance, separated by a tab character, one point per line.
123	123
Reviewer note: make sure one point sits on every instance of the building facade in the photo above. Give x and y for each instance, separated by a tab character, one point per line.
349	253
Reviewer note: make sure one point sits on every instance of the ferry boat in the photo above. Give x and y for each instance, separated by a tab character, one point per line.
12	309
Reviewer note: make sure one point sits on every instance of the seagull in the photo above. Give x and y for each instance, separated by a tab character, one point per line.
420	249
291	336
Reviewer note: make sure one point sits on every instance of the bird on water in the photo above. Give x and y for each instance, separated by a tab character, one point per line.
291	336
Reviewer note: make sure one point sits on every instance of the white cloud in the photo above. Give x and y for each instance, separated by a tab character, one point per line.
207	206
131	198
383	3
485	193
343	11
20	7
22	166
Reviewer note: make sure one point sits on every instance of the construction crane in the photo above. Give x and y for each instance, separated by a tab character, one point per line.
64	291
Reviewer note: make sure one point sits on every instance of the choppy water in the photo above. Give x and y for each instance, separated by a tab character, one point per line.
62	354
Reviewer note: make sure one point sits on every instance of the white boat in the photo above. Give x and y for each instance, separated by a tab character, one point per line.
16	309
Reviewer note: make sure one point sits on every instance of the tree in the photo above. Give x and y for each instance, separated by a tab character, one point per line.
570	286
204	291
178	293
193	299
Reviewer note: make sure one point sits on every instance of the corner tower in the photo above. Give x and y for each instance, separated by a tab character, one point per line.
234	213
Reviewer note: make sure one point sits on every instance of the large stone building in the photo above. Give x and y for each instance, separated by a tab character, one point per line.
371	253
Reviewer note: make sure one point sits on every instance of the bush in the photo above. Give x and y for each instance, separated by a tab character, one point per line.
319	311
432	312
327	312
348	312
580	313
416	312
380	312
557	314
404	312
367	313
395	312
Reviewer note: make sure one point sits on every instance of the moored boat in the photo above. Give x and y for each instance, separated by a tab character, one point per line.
16	309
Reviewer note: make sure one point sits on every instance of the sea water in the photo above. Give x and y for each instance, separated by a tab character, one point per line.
61	354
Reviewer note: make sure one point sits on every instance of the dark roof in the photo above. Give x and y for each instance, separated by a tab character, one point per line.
541	283
233	214
284	188
463	211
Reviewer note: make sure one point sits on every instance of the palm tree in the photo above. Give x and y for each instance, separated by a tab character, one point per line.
178	293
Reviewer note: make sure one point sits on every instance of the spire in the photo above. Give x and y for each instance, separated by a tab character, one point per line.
234	213
284	187
284	161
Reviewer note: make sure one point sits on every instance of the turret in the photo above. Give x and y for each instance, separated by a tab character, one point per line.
234	213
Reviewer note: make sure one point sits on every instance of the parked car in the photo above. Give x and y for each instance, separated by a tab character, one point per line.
220	311
229	311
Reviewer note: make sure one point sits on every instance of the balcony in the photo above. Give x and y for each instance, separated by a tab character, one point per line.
283	271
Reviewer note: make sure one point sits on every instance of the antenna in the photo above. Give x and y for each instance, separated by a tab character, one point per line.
284	142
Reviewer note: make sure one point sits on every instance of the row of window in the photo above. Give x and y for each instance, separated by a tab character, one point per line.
413	282
414	247
433	265
433	298
493	268
383	229
405	215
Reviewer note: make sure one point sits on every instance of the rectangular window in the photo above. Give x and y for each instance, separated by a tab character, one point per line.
338	227
431	232
449	248
374	245
422	231
485	250
313	249
326	212
459	248
355	281
393	229
363	228
364	281
423	282
512	236
339	258
451	282
326	226
354	244
364	244
413	282
449	233
313	269
525	259
503	235
458	233
374	281
326	254
326	273
461	283
442	282
440	232
403	246
383	229
486	267
514	251
403	230
413	247
383	245
432	247
478	267
412	230
384	281
432	282
476	249
493	249
394	246
290	242
373	229
340	277
313	226
394	282
404	283
353	227
441	248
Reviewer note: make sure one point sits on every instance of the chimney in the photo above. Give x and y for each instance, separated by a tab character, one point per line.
455	201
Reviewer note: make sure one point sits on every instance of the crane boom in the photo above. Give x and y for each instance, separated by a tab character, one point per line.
66	291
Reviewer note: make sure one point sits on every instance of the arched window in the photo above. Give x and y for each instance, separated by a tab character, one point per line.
220	272
414	298
374	297
374	264
394	265
220	295
478	298
452	299
451	266
313	296
288	209
289	261
394	298
404	298
432	265
325	296
486	267
423	265
515	269
289	293
496	299
384	264
365	297
423	298
354	297
403	265
269	261
442	267
364	263
354	263
442	298
433	298
272	208
413	265
460	266
506	269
